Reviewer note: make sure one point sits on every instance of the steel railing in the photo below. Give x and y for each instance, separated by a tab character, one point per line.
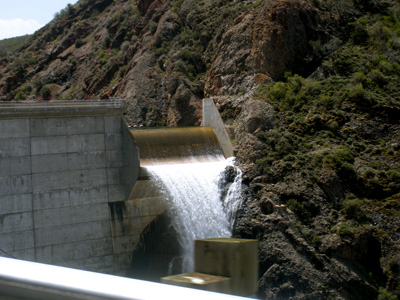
28	280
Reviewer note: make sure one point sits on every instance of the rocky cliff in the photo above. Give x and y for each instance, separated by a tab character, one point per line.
310	90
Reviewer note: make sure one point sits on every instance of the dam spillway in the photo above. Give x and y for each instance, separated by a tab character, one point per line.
72	189
174	145
188	168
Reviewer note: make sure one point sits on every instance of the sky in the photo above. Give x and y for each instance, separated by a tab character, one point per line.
20	17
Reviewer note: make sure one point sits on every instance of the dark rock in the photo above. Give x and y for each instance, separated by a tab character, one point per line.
332	186
271	40
185	106
256	115
168	28
143	5
266	206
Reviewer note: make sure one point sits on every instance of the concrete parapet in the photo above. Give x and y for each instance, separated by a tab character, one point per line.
212	118
14	109
131	159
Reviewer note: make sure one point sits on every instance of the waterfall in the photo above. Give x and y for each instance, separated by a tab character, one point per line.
193	190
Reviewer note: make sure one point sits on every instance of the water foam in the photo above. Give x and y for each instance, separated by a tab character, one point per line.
193	191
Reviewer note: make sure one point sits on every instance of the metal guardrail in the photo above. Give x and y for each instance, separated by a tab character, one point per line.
28	280
114	102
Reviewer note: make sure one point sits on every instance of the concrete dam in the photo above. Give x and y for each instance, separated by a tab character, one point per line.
78	187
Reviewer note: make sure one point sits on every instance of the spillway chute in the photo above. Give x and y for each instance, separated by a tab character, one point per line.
176	145
187	170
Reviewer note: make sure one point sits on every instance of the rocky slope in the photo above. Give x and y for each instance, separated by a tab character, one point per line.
310	89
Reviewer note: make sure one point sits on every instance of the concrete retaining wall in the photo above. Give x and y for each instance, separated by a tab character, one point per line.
212	118
59	178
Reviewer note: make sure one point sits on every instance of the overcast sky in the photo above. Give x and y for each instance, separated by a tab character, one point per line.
20	17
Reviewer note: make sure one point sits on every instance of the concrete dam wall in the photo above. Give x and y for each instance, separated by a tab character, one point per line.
63	169
72	189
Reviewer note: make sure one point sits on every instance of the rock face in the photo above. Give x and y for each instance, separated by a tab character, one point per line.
292	267
140	51
164	57
264	44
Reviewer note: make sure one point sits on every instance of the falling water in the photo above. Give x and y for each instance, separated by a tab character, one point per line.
194	190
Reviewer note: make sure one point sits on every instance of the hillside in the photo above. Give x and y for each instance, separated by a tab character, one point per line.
12	45
311	90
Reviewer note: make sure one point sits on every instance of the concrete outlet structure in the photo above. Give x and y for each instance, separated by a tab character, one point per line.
200	281
228	257
224	265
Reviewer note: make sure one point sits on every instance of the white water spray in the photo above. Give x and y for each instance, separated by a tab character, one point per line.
196	208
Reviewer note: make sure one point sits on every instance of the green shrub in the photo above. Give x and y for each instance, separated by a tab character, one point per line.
298	208
20	95
339	158
176	5
378	78
360	33
79	43
345	230
164	48
278	91
316	240
125	46
344	64
122	71
334	214
357	93
45	93
394	175
353	210
153	27
393	267
107	40
103	56
368	173
37	85
70	9
185	68
3	51
19	67
385	294
359	77
334	126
